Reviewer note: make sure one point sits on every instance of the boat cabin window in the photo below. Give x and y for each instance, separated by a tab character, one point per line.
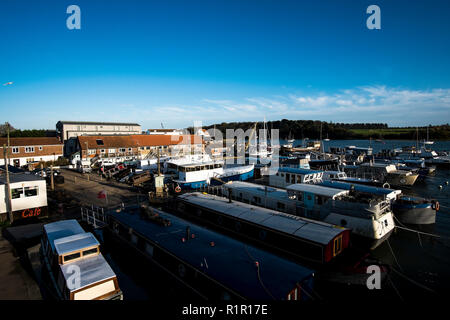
280	206
287	177
337	246
293	178
299	179
72	256
308	197
90	251
319	200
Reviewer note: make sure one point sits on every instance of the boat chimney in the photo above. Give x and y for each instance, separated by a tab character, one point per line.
188	233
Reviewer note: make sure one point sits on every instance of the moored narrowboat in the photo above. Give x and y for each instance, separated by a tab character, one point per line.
306	239
212	265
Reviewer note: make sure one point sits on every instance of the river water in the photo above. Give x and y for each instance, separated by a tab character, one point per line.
420	262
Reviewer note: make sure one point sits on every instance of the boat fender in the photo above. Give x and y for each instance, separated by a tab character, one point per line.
435	206
386	185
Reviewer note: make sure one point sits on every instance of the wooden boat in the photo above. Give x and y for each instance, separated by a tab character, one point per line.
76	268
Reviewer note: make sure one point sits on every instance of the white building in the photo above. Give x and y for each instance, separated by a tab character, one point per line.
28	196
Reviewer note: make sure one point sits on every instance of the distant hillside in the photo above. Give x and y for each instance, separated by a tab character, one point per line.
300	129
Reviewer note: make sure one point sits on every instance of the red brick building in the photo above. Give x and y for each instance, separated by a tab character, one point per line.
31	149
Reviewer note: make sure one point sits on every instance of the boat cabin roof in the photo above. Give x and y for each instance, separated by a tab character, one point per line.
75	242
61	229
257	189
279	275
315	231
389	193
298	170
92	270
317	190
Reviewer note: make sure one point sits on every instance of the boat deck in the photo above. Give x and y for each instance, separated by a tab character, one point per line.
228	261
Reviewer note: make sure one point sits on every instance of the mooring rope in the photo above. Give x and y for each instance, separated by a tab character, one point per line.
395	288
413	281
258	274
393	254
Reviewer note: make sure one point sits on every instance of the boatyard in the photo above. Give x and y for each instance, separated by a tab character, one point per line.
217	158
271	216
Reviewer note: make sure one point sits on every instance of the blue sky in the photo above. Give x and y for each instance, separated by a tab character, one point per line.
212	61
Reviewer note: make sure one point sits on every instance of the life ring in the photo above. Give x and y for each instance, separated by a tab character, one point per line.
177	189
435	206
386	185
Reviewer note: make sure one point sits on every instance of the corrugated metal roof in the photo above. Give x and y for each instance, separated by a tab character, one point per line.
100	123
75	242
316	189
270	218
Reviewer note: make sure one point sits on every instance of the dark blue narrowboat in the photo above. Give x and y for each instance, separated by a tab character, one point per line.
213	265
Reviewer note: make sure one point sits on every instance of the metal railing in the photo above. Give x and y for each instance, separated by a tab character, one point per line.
94	216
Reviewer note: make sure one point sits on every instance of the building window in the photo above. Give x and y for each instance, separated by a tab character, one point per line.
29	149
28	160
122	149
91	151
15	149
31	191
24	192
40	148
102	150
112	150
129	149
16	193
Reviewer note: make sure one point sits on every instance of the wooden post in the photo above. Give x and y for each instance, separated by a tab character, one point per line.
51	178
8	190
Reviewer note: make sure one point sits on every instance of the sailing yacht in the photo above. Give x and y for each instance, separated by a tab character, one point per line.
428	142
260	150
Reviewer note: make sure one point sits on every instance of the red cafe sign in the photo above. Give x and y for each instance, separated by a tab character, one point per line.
31	212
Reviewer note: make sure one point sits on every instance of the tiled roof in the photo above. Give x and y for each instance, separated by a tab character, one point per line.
30	141
137	140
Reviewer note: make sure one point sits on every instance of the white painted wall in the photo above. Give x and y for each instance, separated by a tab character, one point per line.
25	202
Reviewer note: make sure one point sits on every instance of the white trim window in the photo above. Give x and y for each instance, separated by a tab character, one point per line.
92	151
102	151
29	149
15	149
122	150
40	148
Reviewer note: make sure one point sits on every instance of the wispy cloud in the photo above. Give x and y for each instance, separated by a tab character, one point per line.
395	106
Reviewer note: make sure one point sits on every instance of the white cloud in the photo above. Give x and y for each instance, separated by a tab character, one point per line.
395	106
